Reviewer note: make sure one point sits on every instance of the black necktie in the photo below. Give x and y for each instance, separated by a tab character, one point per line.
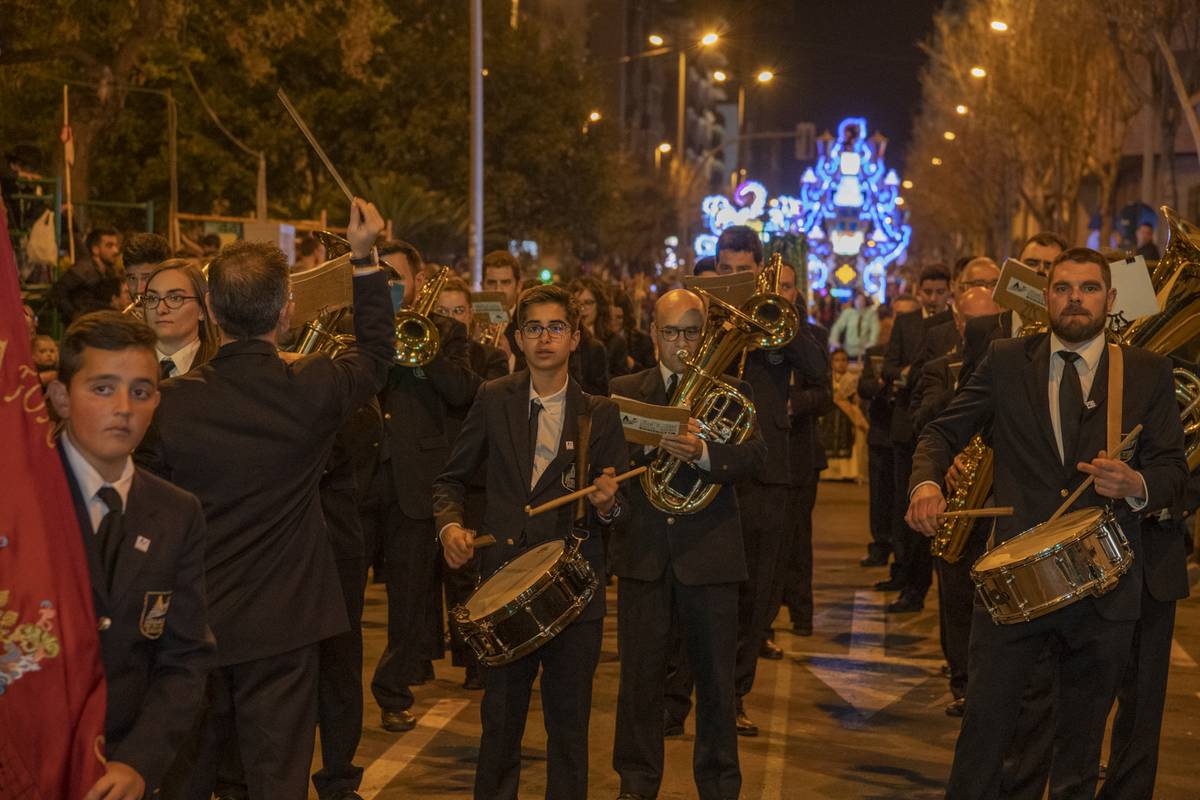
110	532
1070	403
672	382
165	368
535	408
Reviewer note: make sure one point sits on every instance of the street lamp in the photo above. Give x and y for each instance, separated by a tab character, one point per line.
655	40
907	184
595	116
961	109
949	136
978	72
709	38
720	76
660	151
999	26
937	162
706	40
764	76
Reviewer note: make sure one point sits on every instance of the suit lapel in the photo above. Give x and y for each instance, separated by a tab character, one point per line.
95	568
517	412
567	446
1037	385
138	522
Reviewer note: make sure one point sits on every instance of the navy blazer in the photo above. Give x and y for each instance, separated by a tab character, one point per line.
154	635
701	548
495	435
1010	393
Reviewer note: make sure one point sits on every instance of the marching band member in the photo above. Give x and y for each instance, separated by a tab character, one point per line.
683	567
1031	392
523	429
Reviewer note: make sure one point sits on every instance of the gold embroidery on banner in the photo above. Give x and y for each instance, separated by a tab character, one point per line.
23	646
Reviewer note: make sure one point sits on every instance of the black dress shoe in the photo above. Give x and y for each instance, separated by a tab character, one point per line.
905	605
745	727
890	585
672	726
874	561
957	708
802	629
473	682
399	721
634	796
345	794
770	651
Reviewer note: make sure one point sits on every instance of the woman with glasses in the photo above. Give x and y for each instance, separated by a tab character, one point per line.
175	311
595	320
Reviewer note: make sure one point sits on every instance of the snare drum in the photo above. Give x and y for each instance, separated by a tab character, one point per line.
1052	565
526	603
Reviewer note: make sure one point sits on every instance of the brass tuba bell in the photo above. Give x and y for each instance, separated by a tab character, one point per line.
417	336
725	414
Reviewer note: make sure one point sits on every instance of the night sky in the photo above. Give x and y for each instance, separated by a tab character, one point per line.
862	60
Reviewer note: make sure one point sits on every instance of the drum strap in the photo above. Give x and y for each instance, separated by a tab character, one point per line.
582	469
1116	397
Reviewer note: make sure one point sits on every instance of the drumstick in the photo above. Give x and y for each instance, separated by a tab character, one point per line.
573	496
1128	440
997	511
283	98
486	540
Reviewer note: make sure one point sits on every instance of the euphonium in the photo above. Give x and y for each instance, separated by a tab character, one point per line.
417	337
772	310
725	414
1176	331
974	486
320	335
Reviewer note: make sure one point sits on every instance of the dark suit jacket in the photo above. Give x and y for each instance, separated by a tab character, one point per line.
904	348
155	663
935	389
771	374
940	340
415	403
701	548
250	436
978	334
496	433
617	352
809	400
1009	392
347	478
877	391
487	361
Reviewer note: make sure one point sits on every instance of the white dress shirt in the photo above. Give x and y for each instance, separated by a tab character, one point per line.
183	357
90	482
550	425
703	461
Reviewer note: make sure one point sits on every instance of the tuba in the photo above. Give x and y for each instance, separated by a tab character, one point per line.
725	414
417	337
321	335
1176	331
972	490
771	310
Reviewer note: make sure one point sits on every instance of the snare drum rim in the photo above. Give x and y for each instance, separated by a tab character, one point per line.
572	613
533	590
1106	515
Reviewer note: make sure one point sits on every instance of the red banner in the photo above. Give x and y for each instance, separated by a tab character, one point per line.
52	692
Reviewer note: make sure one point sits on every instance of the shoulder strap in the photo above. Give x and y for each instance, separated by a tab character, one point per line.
582	468
1116	397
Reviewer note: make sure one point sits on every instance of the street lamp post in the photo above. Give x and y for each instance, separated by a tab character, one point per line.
475	240
659	152
763	76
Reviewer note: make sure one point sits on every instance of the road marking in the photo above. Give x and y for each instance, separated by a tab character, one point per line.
384	769
1180	657
777	730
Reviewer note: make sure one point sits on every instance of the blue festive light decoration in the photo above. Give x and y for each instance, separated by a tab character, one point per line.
847	209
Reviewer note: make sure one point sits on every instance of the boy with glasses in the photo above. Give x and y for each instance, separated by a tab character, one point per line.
523	429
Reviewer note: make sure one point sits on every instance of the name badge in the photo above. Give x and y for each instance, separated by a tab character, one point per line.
142	544
568	445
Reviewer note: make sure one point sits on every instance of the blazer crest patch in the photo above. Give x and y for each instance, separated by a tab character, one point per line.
154	614
568	479
1127	454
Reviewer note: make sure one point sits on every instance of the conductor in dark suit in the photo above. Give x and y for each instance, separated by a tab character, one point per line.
523	429
914	567
679	566
1031	392
144	540
416	403
250	435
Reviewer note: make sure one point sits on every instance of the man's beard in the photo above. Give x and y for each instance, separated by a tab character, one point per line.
1074	328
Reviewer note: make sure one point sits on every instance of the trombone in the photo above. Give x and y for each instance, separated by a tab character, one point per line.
417	337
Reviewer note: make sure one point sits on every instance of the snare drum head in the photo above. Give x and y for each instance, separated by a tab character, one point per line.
1039	538
513	578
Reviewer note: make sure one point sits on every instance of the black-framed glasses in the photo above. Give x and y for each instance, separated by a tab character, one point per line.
172	301
671	333
534	330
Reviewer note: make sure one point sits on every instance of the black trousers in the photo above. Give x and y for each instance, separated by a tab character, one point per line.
765	526
1091	656
410	553
914	563
568	663
339	690
793	582
707	620
1133	762
263	713
881	472
956	603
